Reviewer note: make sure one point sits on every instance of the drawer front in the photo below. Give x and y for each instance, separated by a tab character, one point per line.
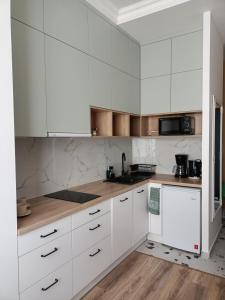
43	235
89	234
90	264
34	265
57	286
90	214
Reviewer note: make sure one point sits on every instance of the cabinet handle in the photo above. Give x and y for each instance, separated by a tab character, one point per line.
46	235
53	251
122	200
48	287
95	227
97	211
91	255
140	191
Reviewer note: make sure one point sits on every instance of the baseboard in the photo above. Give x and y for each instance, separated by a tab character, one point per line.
107	271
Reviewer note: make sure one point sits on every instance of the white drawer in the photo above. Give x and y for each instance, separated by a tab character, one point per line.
43	235
57	286
34	265
91	233
91	213
90	264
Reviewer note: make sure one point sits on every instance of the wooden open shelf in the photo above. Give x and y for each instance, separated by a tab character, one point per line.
121	124
108	123
101	122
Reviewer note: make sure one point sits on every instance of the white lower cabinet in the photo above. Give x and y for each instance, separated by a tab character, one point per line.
140	214
56	286
38	263
89	234
90	264
122	224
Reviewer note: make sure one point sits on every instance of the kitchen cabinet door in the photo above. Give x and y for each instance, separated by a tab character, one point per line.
119	50
29	81
140	214
99	36
119	90
186	91
29	12
67	21
156	59
155	95
67	89
187	52
133	104
100	84
134	59
122	224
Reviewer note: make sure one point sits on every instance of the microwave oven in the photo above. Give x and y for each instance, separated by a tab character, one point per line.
176	125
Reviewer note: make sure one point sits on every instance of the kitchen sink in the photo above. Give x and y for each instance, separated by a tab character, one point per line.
129	179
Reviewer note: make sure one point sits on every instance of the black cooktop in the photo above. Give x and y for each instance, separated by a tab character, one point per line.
72	196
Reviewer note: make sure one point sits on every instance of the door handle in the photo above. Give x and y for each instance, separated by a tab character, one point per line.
123	200
97	211
53	251
46	235
140	191
48	287
96	227
98	251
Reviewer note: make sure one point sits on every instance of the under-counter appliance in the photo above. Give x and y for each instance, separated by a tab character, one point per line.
181	167
181	218
72	196
195	169
176	125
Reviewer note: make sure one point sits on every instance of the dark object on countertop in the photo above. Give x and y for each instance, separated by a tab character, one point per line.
72	196
110	173
181	168
195	169
143	169
123	160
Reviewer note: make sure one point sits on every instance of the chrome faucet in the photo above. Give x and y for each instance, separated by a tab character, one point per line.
123	160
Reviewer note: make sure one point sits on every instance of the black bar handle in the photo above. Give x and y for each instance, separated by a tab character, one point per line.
97	211
141	191
53	251
95	227
46	235
91	255
48	287
124	199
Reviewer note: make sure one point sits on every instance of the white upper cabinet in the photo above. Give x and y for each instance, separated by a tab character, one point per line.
67	21
186	91
29	81
187	51
29	12
134	59
100	80
133	89
99	37
156	59
119	50
155	95
67	89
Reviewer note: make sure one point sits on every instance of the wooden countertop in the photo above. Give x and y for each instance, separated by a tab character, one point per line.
47	210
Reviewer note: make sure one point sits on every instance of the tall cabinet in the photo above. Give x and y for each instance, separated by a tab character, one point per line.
70	59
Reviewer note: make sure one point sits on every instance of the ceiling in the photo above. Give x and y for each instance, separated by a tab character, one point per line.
151	20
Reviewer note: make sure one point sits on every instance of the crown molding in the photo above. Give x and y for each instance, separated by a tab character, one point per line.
144	8
106	7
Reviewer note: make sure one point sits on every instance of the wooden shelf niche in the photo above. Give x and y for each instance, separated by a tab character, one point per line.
101	122
121	124
150	124
135	125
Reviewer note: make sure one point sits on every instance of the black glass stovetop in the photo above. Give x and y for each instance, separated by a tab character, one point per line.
72	196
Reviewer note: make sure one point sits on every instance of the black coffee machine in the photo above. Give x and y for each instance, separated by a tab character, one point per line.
181	168
195	169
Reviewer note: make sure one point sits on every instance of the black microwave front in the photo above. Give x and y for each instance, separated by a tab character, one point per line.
176	125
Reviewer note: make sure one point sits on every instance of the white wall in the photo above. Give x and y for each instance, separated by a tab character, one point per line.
212	85
8	221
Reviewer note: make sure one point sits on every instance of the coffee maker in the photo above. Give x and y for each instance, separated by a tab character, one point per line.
181	167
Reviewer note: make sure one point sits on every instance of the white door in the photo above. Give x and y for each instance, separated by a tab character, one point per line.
140	214
181	218
122	224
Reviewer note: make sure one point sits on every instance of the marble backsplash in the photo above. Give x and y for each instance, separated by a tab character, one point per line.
162	151
45	165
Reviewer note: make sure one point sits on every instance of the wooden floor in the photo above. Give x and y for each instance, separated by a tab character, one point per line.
145	277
